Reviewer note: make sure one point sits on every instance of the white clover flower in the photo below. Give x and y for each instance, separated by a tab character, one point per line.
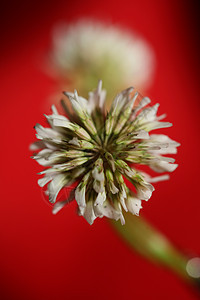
98	149
85	51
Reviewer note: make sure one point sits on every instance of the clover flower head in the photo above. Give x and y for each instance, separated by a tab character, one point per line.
101	150
84	51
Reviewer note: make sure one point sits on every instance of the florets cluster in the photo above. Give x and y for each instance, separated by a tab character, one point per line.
100	151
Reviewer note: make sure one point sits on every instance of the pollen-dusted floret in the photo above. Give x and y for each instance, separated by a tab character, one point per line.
99	149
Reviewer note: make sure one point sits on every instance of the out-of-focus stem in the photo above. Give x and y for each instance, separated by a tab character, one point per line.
153	245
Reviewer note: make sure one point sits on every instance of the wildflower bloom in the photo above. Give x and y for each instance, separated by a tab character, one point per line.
99	150
87	50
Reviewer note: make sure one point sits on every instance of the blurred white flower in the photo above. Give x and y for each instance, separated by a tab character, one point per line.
85	51
100	149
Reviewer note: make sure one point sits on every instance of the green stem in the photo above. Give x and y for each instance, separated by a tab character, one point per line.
153	245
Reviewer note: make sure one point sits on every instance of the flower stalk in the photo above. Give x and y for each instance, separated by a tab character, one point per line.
154	246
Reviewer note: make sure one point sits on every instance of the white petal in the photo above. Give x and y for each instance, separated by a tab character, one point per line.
89	214
82	102
43	132
81	210
80	195
124	195
122	201
157	125
50	158
168	150
55	186
118	208
98	176
134	205
122	219
54	110
61	122
120	101
100	198
142	104
142	134
56	117
58	206
42	157
102	99
98	186
166	144
162	138
37	145
96	98
49	171
148	114
107	210
44	180
161	117
77	107
163	166
74	141
113	188
144	190
43	153
159	178
148	178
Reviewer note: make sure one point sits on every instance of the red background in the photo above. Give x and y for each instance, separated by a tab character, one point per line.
61	257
